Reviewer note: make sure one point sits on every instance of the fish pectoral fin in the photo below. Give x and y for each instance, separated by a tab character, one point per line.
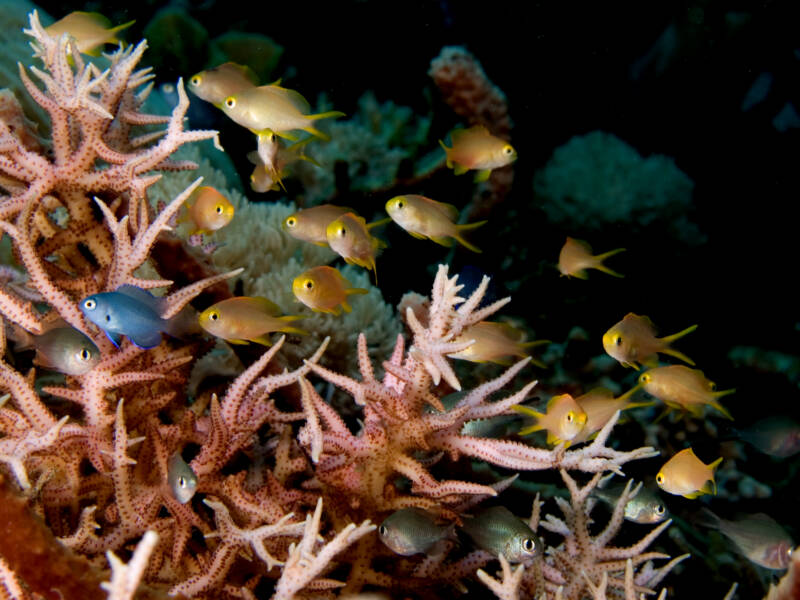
115	338
482	175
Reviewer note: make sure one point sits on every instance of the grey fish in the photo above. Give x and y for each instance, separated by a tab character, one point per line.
182	480
646	507
499	531
66	350
411	531
758	537
776	436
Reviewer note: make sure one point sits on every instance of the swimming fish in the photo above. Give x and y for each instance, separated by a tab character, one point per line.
576	256
495	342
324	289
271	162
274	108
311	224
128	311
208	210
646	507
600	405
181	479
776	436
563	420
246	318
686	475
499	531
66	350
680	387
91	31
411	531
425	218
214	85
758	537
477	149
350	238
633	340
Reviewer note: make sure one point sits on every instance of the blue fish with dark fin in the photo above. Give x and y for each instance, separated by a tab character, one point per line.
129	311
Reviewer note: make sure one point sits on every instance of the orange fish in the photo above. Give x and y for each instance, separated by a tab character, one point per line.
311	224
686	475
350	238
477	149
246	319
426	218
91	31
209	210
678	386
576	256
600	405
633	340
495	342
324	289
563	420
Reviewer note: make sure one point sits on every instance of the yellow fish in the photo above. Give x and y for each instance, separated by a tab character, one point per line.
208	210
274	108
563	420
350	238
686	475
214	85
271	161
91	31
311	224
576	256
246	318
600	405
678	386
495	342
426	218
477	149
323	289
633	340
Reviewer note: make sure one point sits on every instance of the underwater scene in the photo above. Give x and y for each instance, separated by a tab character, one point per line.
378	300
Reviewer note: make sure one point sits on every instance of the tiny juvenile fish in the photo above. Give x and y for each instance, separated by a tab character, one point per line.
600	405
495	342
246	319
227	79
686	475
128	311
425	218
181	479
563	420
633	341
776	436
324	289
758	537
680	387
271	161
576	256
66	350
499	531
475	149
350	238
276	109
311	224
411	531
208	210
91	31
646	507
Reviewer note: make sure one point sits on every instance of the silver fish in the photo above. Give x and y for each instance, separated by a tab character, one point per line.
758	537
66	350
411	531
776	436
182	480
646	507
499	531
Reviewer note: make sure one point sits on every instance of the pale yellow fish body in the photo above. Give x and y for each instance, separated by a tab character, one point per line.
426	218
576	257
243	319
209	210
349	237
563	420
600	405
494	342
633	341
680	387
686	475
271	160
475	149
311	224
324	289
91	30
227	79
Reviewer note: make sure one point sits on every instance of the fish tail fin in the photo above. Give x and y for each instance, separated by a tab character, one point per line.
527	410
722	409
609	254
627	395
115	30
378	223
524	347
671	338
467	227
295	330
678	354
324	115
317	133
350	291
607	271
290	318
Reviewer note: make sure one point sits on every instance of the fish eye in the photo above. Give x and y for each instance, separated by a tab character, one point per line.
218	208
382	530
83	354
89	304
230	101
570	416
528	545
309	284
214	315
617	340
195	80
291	222
341	231
181	482
659	507
108	318
400	204
660	478
508	150
644	378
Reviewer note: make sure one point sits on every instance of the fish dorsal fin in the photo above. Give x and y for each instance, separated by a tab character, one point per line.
463	135
450	211
96	18
246	71
642	320
142	296
583	244
264	305
552	402
295	98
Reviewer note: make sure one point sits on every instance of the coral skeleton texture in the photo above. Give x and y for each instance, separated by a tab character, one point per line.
288	488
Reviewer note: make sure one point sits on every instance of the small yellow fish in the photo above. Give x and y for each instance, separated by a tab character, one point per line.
271	161
208	210
680	387
495	342
426	218
563	420
686	475
633	340
246	318
91	31
274	108
227	79
477	149
323	289
576	256
311	224
600	405
350	238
